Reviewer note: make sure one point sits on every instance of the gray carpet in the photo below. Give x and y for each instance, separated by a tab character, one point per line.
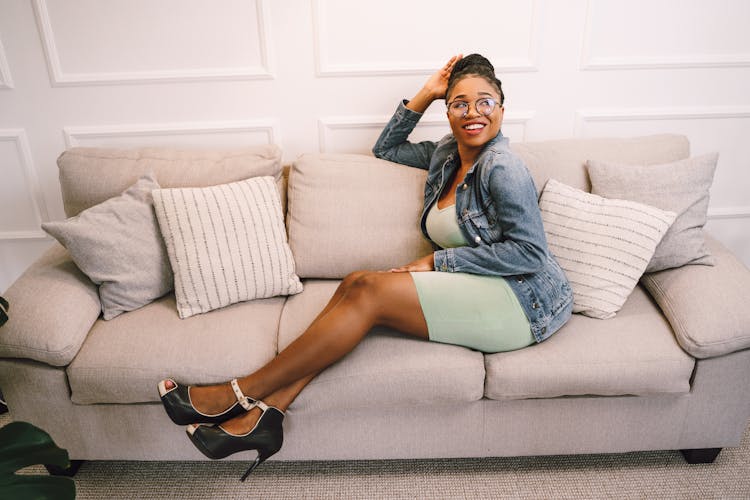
657	475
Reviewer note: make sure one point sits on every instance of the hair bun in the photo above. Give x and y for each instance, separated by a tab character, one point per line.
473	60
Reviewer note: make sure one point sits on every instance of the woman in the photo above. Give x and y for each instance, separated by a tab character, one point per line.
491	285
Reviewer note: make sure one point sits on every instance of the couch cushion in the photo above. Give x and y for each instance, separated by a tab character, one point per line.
385	369
88	176
707	306
681	187
226	244
52	307
123	359
634	353
118	245
565	159
351	212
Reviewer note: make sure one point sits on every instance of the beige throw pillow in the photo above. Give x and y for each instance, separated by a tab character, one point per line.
681	187
602	245
118	246
226	243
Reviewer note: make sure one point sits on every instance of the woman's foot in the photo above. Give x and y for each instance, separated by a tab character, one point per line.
259	429
208	399
203	404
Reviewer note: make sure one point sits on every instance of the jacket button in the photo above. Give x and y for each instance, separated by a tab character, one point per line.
535	305
464	187
519	279
544	330
478	239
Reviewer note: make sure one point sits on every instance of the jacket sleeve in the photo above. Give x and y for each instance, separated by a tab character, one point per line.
392	145
523	245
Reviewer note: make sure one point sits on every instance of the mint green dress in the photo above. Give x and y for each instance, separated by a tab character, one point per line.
479	312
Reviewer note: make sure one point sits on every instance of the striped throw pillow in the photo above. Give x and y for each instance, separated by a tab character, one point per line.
226	244
603	245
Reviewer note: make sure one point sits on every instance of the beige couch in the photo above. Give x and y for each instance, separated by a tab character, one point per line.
670	371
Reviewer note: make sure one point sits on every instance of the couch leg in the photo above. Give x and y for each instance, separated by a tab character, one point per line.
69	472
701	456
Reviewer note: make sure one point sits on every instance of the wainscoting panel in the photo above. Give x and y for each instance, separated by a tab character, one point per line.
668	34
177	135
22	208
393	37
129	41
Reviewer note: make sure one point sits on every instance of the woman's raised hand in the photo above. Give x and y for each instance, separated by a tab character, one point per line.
437	84
434	88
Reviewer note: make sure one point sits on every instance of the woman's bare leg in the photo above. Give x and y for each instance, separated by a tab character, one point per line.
363	300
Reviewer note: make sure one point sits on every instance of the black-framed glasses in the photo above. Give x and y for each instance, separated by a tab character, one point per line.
484	106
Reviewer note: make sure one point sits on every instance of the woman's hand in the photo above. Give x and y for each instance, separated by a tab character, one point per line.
426	263
434	88
437	84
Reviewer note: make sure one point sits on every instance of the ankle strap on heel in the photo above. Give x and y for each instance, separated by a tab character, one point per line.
244	401
264	407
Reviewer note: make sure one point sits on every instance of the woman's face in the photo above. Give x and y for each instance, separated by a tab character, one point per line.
475	129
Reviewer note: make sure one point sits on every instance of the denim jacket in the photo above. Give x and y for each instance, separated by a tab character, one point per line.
498	213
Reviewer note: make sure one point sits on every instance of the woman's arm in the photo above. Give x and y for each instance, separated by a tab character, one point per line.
392	144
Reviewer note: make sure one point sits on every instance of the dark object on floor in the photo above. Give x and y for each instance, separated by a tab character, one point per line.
71	471
701	456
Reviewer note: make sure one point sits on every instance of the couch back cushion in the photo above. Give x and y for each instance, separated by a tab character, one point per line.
89	176
352	212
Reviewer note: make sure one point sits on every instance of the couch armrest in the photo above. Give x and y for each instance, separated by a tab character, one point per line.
706	305
52	308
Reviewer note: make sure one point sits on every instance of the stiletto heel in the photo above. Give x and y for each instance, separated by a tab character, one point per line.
180	407
259	460
266	436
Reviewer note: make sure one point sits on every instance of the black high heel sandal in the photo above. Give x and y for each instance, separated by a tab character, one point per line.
180	408
266	436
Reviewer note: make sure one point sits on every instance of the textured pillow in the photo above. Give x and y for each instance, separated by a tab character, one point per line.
226	243
118	246
603	245
681	187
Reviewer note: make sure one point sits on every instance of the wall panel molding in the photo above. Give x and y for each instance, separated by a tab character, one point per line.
75	135
18	138
60	77
6	81
590	62
328	125
739	212
325	68
584	116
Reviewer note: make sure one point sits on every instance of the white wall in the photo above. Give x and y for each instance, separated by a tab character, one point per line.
325	75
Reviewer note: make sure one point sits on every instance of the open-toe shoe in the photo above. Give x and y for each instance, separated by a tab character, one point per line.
266	436
180	408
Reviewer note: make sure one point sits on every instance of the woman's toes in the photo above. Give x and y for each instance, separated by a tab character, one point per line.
169	384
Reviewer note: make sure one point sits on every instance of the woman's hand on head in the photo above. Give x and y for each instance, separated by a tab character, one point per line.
426	263
435	87
437	84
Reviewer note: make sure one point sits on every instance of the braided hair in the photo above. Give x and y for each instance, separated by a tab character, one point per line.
475	65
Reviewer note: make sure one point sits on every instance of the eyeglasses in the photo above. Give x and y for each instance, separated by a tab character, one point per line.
484	106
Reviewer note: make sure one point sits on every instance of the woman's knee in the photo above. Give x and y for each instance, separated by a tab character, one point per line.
364	286
351	278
